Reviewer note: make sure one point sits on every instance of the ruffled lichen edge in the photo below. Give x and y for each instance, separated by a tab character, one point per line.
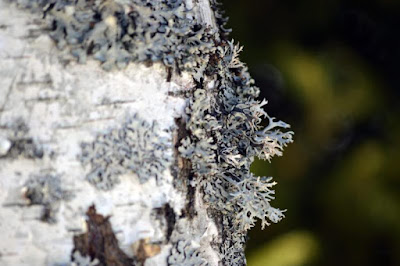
223	113
224	121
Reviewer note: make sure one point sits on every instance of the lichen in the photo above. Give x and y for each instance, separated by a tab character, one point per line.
18	143
185	253
25	147
223	118
135	147
118	32
46	190
225	134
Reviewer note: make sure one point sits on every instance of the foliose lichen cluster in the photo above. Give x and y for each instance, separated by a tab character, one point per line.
116	32
223	114
46	190
225	136
19	143
183	253
135	147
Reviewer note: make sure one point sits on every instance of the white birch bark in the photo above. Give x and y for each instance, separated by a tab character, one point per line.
47	109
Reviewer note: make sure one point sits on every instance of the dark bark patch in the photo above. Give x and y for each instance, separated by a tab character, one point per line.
99	242
168	213
185	173
170	218
190	210
169	74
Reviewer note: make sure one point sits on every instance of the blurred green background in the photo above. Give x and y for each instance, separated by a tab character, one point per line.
331	70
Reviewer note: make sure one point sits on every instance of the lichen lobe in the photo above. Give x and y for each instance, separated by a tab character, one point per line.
222	121
135	147
116	33
225	134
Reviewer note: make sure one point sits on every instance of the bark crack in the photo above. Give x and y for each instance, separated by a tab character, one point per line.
185	175
10	88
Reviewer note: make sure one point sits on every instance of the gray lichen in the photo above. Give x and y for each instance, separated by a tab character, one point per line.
184	253
223	114
118	32
46	190
19	143
233	244
224	121
25	147
135	147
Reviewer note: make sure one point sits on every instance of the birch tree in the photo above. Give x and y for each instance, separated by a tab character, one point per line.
127	131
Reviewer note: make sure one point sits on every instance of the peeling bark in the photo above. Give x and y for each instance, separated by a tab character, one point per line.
99	242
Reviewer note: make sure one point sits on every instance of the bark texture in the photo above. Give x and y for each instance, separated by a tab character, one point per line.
127	129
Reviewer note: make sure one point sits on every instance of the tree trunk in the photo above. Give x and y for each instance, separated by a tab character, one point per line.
127	129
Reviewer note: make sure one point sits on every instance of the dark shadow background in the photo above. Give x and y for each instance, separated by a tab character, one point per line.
331	70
